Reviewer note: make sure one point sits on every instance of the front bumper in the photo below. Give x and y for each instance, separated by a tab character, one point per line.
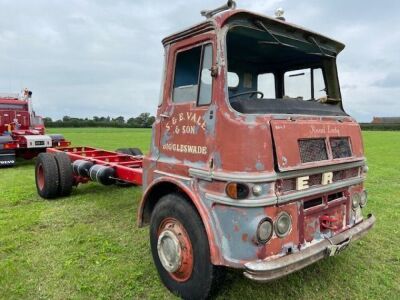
264	271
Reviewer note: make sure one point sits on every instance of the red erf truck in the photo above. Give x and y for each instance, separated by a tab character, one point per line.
254	164
22	133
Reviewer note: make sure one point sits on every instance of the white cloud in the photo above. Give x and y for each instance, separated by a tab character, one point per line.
88	58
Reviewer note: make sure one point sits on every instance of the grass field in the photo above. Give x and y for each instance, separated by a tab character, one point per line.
88	246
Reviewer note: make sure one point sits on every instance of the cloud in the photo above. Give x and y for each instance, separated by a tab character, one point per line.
391	80
86	58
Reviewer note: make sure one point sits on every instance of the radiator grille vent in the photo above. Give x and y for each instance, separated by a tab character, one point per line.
312	150
340	147
312	203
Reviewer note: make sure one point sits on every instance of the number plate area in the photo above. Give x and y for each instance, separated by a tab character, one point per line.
324	218
336	249
38	141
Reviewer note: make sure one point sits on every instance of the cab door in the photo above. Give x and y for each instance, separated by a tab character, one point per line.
187	115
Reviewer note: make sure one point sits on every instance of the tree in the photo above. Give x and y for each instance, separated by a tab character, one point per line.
47	121
119	120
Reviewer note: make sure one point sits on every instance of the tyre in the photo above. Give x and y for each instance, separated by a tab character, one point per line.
65	174
180	249
136	151
130	151
46	173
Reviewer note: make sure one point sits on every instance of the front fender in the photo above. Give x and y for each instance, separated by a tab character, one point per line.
189	188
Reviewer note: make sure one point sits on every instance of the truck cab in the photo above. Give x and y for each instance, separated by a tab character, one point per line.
254	163
22	132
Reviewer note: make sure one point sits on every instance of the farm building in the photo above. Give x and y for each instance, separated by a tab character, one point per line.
386	120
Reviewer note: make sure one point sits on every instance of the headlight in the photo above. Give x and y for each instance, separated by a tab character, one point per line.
264	230
363	198
237	190
355	200
283	224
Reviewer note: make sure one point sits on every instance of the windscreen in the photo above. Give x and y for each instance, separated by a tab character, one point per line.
16	106
282	76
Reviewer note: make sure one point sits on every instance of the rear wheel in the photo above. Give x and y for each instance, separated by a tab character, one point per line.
136	151
180	249
65	174
130	151
47	179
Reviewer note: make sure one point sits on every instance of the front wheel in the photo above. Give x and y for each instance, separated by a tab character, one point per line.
180	249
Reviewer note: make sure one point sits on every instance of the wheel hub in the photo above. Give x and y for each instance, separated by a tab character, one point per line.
169	251
40	177
175	250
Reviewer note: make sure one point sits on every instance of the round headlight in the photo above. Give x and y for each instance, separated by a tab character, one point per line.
355	200
283	224
363	199
264	231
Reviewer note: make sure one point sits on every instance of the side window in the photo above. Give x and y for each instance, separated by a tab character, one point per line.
266	85
206	77
319	84
191	84
186	75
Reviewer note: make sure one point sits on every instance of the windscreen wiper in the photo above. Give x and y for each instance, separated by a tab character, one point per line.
277	41
323	53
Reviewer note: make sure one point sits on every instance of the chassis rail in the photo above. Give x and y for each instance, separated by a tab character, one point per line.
127	168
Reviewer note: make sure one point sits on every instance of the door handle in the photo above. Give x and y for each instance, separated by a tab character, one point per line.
165	116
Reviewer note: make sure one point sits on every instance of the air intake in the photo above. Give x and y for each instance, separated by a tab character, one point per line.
340	147
312	150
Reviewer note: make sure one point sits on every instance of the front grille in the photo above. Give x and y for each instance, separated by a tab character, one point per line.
335	196
345	174
316	179
312	203
340	147
312	150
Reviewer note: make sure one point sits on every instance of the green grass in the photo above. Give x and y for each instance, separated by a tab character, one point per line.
88	245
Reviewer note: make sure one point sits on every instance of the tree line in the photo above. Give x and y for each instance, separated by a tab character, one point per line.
144	120
380	127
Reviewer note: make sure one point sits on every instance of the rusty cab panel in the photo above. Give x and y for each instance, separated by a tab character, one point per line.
187	114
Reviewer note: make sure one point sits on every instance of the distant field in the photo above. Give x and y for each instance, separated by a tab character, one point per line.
87	246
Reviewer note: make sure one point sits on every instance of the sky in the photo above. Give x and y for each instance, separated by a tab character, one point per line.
104	58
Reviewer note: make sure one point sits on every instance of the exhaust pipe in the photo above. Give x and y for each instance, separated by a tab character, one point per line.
209	13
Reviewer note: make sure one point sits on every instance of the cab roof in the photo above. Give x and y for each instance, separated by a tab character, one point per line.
275	25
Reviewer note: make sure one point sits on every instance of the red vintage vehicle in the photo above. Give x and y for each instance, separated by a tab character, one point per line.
22	133
254	164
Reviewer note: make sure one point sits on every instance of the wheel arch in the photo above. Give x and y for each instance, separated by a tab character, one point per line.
164	186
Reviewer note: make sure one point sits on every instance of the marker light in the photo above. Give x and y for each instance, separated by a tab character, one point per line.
257	190
237	190
279	14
